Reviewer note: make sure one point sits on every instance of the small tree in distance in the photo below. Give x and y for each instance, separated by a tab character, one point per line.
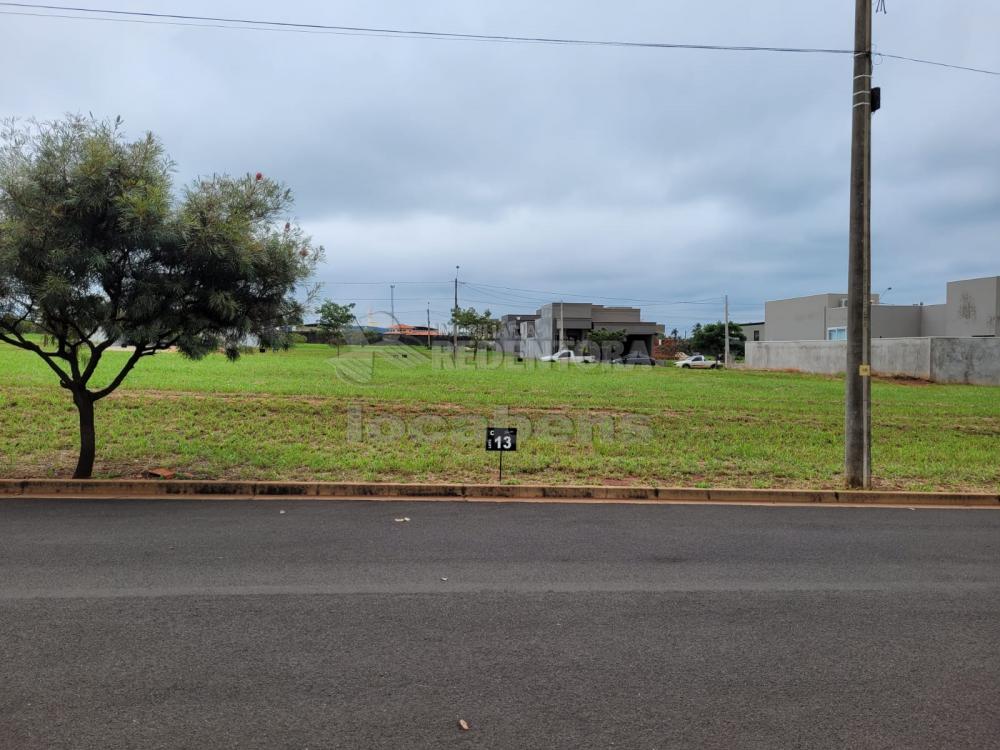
96	251
334	320
478	326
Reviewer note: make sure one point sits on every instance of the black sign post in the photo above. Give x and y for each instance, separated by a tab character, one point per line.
501	439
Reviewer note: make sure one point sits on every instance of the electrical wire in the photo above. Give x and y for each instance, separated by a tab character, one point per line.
384	283
549	295
103	14
417	33
515	295
506	296
386	299
939	64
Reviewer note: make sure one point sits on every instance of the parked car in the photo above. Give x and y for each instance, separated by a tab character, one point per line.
698	362
568	355
635	358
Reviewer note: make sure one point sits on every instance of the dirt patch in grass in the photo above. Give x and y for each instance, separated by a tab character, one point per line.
901	380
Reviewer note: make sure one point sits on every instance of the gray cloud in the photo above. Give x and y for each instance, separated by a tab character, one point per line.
622	173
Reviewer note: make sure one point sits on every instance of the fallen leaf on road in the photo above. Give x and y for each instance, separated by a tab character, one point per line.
463	725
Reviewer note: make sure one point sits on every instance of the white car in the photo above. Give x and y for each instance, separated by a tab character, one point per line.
698	362
568	355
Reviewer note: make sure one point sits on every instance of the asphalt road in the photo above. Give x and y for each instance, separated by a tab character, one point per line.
330	625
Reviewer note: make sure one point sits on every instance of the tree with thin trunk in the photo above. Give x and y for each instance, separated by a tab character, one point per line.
98	253
480	327
334	320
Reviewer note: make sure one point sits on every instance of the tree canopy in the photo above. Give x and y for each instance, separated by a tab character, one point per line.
607	343
710	339
97	251
334	319
602	335
478	326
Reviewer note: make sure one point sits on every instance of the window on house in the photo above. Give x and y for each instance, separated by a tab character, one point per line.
756	335
836	334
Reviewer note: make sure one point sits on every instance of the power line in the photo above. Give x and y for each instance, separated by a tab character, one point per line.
163	22
514	295
382	299
103	14
938	64
196	25
549	294
382	283
517	296
417	33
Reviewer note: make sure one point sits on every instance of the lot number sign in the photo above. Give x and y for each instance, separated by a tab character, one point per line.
501	439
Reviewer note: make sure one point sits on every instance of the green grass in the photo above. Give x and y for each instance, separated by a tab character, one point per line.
307	414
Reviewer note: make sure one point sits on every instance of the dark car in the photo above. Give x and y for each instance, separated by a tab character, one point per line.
635	358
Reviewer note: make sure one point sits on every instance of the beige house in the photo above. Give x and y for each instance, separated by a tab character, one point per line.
954	342
972	308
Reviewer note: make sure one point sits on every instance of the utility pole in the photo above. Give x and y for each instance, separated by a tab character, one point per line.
726	360
454	317
857	421
392	303
562	327
428	325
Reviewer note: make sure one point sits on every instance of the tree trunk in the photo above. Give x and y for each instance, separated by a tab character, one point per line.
88	441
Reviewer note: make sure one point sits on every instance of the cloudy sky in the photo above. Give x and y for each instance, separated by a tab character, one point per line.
550	171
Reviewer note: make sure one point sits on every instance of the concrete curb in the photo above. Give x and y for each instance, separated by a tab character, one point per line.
197	489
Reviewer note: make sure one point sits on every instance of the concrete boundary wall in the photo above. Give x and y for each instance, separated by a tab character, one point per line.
974	361
965	360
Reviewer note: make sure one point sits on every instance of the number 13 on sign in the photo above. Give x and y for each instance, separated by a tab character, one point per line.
501	439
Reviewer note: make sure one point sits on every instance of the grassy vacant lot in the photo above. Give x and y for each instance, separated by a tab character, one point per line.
373	414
